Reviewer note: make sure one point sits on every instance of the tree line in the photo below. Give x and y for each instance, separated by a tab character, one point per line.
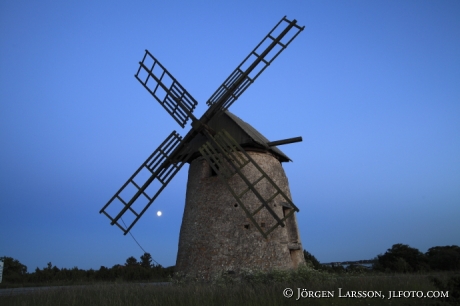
400	258
132	270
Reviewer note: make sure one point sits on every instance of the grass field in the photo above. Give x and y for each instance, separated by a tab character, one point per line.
254	289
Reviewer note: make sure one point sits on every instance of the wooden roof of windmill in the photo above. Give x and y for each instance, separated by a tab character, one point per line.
244	134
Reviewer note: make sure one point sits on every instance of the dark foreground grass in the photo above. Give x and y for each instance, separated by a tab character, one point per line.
257	290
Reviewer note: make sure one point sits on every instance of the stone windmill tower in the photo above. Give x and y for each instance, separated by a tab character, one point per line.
216	235
239	212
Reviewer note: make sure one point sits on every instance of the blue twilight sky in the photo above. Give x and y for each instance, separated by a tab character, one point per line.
373	87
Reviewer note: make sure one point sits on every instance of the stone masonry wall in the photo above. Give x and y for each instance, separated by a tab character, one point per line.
216	236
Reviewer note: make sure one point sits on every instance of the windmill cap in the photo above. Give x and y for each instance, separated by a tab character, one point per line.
244	134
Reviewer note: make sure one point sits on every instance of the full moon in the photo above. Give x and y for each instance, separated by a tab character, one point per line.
159	213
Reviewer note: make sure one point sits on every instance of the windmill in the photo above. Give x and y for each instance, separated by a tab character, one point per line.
251	191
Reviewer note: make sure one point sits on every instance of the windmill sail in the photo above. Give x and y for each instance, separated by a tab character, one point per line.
227	158
165	89
159	167
255	63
